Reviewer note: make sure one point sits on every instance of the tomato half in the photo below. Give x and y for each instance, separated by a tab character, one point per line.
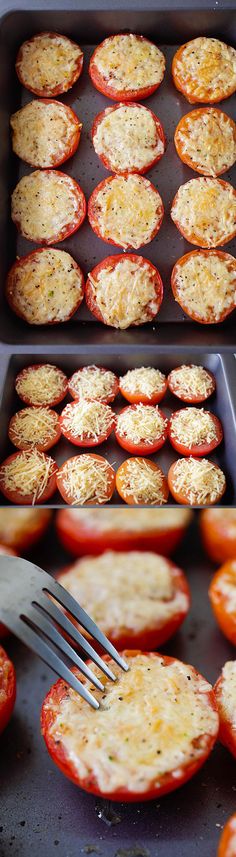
198	449
227	840
40	377
140	397
33	114
183	496
216	217
107	158
102	82
14	494
82	534
225	703
212	314
73	465
143	447
16	434
45	287
128	494
82	384
199	78
215	121
221	594
7	689
147	312
65	80
189	396
107	233
218	531
97	435
36	185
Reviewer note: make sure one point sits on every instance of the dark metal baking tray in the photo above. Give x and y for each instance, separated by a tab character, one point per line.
168	27
223	403
43	813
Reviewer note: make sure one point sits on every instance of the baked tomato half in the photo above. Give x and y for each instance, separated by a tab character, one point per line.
225	692
48	206
204	211
93	383
126	67
222	598
49	64
86	479
28	478
45	133
194	431
34	427
92	531
136	756
205	140
139	481
145	385
203	70
87	423
128	138
192	384
218	531
126	210
203	283
141	429
7	689
41	384
227	843
124	290
22	528
196	481
45	287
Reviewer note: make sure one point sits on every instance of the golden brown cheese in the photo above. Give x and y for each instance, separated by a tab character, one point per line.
127	62
46	286
142	423
42	133
206	284
207	67
199	479
43	204
206	211
126	294
227	700
208	139
127	210
128	137
48	62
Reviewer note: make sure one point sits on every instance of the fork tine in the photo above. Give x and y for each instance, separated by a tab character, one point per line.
53	635
32	639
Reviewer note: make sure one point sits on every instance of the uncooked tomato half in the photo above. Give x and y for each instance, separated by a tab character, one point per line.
196	481
145	384
141	429
7	689
222	598
228	838
86	479
225	692
34	427
140	481
41	384
87	423
218	531
28	477
194	431
94	383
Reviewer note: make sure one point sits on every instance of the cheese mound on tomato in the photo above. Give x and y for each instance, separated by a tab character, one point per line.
48	62
127	136
145	380
86	479
127	209
153	721
226	697
43	133
91	382
205	210
229	521
141	423
45	286
129	63
33	426
86	419
140	481
193	426
191	381
206	284
199	479
125	293
130	520
207	138
28	473
206	69
44	203
15	526
40	384
141	593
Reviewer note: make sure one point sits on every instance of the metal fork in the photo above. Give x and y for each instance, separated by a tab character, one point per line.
27	609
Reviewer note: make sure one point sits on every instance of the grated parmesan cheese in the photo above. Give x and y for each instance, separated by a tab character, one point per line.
91	382
48	61
87	420
126	210
28	473
144	380
226	694
125	292
33	426
141	423
44	203
191	381
205	284
86	479
43	133
142	482
46	286
41	384
127	136
193	426
206	69
130	520
205	209
199	480
128	63
207	138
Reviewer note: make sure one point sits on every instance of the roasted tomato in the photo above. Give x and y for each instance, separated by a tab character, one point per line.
93	530
7	689
205	140
141	429
48	206
227	843
192	384
93	383
141	481
34	427
136	755
204	70
225	692
222	598
204	211
45	287
193	431
112	299
41	384
196	481
218	530
87	423
126	211
28	477
86	479
145	385
45	133
49	64
128	138
203	283
22	528
127	67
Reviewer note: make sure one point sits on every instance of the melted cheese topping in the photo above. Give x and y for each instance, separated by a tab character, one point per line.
33	426
140	481
87	419
208	140
206	285
91	382
46	286
41	384
144	380
199	480
43	133
28	473
193	426
128	137
154	720
129	520
128	63
141	423
191	381
207	69
226	586
15	524
226	696
86	480
45	203
206	211
48	62
125	293
141	593
127	210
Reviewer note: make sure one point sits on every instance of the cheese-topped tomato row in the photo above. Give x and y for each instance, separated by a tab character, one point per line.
222	594
126	67
128	138
126	210
7	689
92	531
47	206
49	64
204	211
204	70
205	140
45	133
218	530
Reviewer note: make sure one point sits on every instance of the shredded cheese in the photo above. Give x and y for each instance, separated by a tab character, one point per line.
45	286
141	423
206	284
33	426
205	209
129	520
28	473
49	61
199	480
44	203
191	381
127	210
226	695
206	69
91	382
155	720
193	426
128	63
141	482
86	479
144	381
207	138
127	136
87	420
125	292
43	134
41	384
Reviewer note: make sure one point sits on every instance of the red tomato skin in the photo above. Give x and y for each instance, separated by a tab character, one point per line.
140	398
193	315
218	539
72	148
10	296
66	230
193	240
122	94
225	620
42	447
226	838
69	499
168	781
26	500
107	162
82	540
94	222
56	90
192	400
7	705
142	448
227	733
181	497
55	401
111	261
86	442
109	398
199	449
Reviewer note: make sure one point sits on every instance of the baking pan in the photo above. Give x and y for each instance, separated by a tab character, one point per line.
223	403
43	813
169	28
